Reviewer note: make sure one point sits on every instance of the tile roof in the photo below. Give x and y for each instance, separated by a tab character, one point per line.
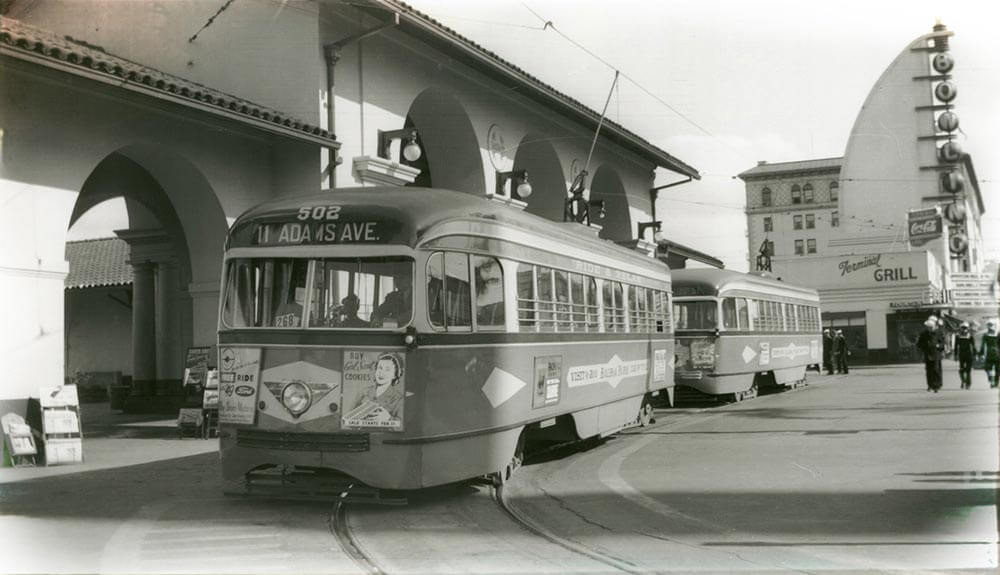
766	168
33	44
503	70
100	262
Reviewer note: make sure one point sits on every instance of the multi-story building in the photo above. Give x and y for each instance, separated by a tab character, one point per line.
792	207
889	233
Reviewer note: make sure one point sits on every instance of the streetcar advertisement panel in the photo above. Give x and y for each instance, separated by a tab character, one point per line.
374	389
238	382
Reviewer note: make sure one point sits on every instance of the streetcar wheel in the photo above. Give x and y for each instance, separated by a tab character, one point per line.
646	413
750	393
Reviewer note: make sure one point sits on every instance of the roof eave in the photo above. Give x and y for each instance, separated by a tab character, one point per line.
101	77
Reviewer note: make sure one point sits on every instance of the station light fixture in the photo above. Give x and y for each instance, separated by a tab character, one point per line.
411	150
519	177
657	233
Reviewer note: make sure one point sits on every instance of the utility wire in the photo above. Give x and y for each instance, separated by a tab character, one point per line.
210	20
550	24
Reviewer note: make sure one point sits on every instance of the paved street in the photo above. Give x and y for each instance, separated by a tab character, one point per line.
866	472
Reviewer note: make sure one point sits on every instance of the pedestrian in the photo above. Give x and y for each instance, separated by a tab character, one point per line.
965	351
931	343
840	351
990	353
827	351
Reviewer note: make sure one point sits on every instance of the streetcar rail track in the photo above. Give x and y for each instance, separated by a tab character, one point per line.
568	544
341	531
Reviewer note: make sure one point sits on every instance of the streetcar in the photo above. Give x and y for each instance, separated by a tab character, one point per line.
402	338
737	333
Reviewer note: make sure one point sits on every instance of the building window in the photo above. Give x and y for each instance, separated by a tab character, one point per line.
834	219
799	247
765	197
807	190
796	194
834	191
769	246
811	246
810	221
768	224
797	222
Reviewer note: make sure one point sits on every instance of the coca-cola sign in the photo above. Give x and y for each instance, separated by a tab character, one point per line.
924	225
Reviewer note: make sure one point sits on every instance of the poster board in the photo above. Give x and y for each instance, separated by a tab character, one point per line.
196	365
239	378
61	424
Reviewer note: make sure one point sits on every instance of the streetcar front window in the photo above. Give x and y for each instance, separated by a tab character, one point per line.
697	314
265	292
374	293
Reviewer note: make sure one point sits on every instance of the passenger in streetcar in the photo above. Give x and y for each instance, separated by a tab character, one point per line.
965	351
931	343
347	313
990	353
396	308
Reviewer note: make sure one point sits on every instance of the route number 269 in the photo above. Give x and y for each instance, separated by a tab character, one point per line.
326	213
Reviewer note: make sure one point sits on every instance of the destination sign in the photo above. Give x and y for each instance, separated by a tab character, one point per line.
319	225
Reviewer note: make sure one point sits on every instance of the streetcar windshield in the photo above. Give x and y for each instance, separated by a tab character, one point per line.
345	293
697	314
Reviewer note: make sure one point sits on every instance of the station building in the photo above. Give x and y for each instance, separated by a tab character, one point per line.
890	232
193	115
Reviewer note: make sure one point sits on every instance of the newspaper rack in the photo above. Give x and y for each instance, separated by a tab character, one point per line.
61	425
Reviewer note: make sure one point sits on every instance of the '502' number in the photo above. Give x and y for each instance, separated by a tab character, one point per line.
326	213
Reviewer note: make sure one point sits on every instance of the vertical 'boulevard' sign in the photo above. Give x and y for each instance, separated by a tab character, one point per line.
924	225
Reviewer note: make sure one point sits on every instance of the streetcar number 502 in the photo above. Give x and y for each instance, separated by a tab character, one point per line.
327	213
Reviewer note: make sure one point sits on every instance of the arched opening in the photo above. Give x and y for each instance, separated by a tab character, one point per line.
171	240
548	197
617	223
451	151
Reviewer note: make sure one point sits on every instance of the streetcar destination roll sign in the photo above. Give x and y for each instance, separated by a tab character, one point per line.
318	225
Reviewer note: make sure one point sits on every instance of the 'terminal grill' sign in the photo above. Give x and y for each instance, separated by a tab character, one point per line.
924	225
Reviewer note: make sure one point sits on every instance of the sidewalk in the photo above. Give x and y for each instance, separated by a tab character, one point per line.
113	439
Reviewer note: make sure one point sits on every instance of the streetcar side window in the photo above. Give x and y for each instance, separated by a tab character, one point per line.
543	297
435	289
614	307
790	322
729	317
449	293
526	297
578	303
591	304
488	275
742	312
457	293
564	319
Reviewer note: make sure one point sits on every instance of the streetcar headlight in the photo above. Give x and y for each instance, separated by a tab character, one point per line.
296	397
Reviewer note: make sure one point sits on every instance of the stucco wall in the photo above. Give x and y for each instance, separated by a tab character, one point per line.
98	330
378	79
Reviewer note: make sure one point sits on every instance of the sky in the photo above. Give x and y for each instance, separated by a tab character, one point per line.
724	84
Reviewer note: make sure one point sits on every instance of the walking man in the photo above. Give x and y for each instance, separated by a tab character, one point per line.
991	354
931	343
965	350
827	351
840	351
